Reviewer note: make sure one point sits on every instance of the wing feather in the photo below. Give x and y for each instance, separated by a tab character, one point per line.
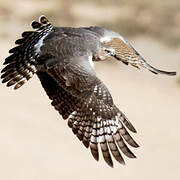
88	106
124	51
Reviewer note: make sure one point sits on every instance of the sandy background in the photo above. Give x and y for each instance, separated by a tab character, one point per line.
36	144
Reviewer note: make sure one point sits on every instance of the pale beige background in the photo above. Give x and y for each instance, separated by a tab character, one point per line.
36	144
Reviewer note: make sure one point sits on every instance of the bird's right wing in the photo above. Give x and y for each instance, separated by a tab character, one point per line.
84	100
128	55
124	51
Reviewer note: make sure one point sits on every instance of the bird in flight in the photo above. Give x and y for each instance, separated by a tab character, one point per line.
62	58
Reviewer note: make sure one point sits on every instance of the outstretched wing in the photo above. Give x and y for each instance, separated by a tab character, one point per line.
124	51
84	100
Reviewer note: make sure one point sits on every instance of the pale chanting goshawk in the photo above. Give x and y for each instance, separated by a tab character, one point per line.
62	58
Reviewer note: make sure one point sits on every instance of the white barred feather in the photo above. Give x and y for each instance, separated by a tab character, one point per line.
103	125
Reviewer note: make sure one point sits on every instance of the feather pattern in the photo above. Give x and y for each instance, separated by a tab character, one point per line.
124	51
62	58
93	118
20	65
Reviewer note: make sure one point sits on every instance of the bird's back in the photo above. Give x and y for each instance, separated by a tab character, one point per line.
46	42
67	42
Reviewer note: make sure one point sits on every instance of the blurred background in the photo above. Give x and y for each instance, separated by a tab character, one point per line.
35	143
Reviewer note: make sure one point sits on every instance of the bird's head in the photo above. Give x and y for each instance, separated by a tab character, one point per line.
105	52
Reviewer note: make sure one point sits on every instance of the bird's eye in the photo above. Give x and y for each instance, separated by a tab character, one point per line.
111	51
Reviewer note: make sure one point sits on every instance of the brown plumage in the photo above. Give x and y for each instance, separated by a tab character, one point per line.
62	58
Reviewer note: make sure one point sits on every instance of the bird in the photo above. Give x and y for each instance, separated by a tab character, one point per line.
63	60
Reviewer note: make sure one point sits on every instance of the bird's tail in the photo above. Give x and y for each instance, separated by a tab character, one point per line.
20	65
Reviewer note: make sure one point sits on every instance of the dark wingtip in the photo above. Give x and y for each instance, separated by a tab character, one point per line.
110	163
163	72
157	71
132	128
172	73
95	153
86	143
136	145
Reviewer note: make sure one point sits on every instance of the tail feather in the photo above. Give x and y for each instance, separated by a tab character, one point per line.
20	65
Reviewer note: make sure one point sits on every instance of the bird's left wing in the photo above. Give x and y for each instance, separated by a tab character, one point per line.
84	100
